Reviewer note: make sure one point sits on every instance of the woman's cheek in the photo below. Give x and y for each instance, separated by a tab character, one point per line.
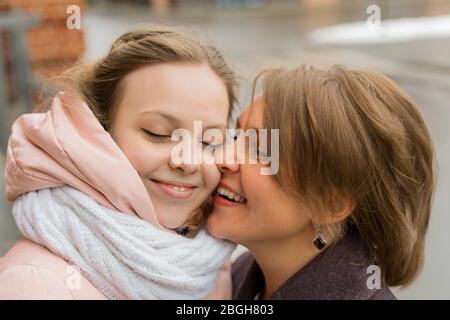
258	188
251	179
211	176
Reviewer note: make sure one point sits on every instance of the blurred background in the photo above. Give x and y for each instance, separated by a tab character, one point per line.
407	40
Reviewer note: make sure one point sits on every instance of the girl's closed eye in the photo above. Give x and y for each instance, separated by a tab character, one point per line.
157	136
213	138
167	137
212	144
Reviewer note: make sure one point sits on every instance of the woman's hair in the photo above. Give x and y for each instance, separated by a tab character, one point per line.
345	132
99	83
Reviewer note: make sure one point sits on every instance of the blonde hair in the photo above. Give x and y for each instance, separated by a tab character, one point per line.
99	82
356	132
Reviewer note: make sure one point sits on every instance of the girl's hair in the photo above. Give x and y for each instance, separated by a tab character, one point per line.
356	133
99	83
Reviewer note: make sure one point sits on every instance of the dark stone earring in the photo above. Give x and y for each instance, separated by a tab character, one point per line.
319	241
182	231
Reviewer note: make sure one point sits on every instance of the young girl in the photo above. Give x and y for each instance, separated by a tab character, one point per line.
105	211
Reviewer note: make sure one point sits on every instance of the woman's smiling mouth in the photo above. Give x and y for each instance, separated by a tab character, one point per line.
228	197
175	189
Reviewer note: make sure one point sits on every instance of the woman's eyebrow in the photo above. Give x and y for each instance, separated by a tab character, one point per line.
219	126
238	126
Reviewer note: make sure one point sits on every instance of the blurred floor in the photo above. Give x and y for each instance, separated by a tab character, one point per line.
276	36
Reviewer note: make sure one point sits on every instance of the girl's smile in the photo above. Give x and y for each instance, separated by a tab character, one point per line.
175	190
156	101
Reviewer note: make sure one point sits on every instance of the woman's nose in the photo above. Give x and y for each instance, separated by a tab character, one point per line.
228	167
226	159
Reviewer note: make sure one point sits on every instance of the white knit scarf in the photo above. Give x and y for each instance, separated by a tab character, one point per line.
121	255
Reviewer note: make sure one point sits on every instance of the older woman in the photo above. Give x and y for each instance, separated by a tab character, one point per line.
345	216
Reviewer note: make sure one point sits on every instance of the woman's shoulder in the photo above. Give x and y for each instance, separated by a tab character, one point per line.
247	277
31	271
242	262
342	272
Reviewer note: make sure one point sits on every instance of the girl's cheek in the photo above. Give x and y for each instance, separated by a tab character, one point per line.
153	159
145	156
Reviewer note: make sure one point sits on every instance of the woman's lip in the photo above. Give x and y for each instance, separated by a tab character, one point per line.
175	190
220	201
224	185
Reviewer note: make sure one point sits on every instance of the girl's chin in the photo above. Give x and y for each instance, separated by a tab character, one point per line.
170	218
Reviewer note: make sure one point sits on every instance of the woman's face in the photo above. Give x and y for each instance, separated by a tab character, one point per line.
268	213
154	101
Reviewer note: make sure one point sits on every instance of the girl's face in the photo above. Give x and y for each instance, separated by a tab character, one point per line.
154	101
268	214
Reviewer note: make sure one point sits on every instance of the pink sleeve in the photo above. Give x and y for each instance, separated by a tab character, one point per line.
223	289
27	282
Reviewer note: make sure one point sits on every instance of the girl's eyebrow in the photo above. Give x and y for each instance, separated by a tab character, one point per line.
166	115
174	119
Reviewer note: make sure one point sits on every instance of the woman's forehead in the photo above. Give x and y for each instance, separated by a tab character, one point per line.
252	117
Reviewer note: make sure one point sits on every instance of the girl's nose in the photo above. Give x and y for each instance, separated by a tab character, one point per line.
187	168
186	164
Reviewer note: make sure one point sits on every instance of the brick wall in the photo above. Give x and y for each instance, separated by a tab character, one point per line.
52	46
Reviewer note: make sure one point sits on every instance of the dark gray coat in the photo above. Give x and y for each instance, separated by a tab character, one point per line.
339	272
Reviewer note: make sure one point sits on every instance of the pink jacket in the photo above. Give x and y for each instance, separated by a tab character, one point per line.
30	271
68	146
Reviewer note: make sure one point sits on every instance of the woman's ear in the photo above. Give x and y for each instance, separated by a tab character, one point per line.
345	210
340	206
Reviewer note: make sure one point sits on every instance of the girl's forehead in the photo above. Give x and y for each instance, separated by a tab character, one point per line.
185	93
